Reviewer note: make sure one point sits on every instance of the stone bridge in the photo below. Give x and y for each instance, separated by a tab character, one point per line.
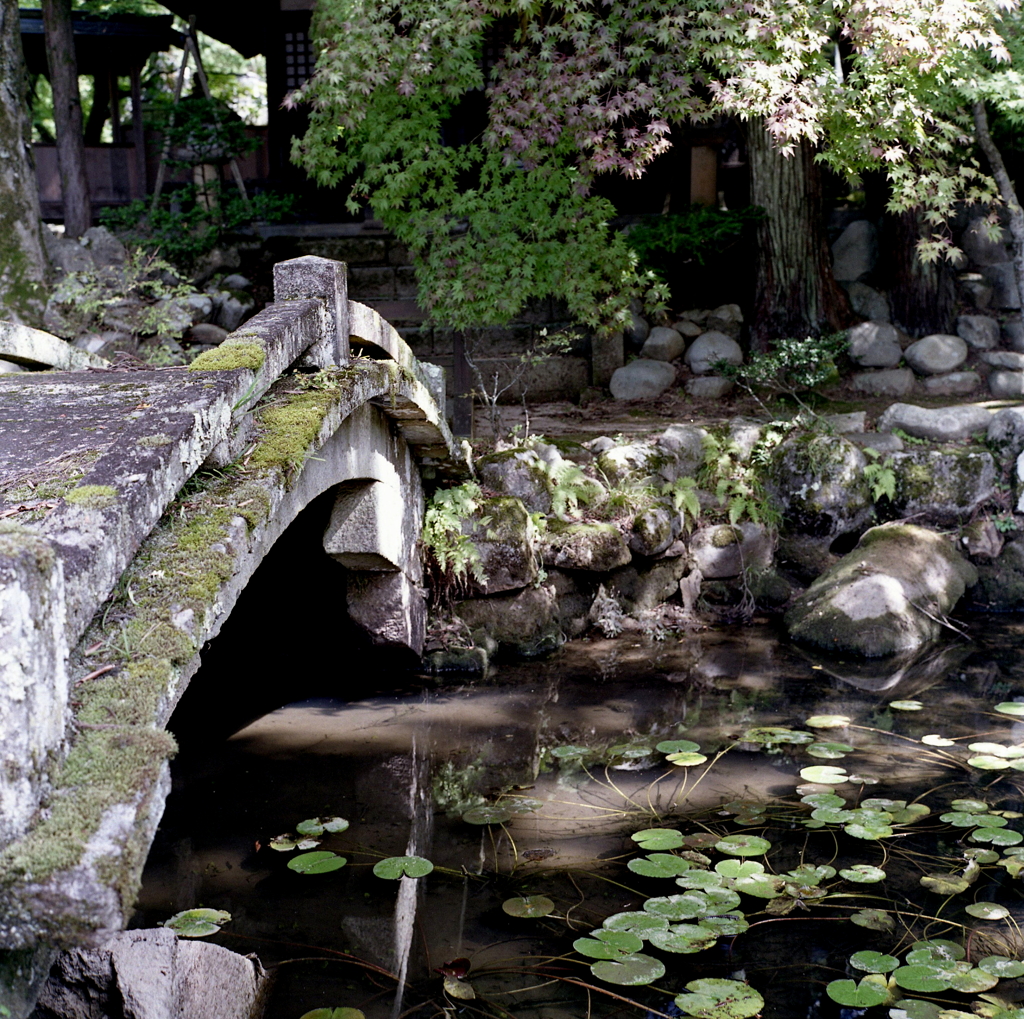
135	505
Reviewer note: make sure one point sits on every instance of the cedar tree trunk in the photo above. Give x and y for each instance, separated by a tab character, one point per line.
22	257
796	293
923	294
67	115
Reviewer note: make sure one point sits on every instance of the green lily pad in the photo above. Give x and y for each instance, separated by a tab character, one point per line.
990	821
630	751
1015	708
677	746
629	970
1002	967
935	740
910	813
678	907
719	900
686	759
873	962
829	751
809	874
970	806
738	868
906	705
685	939
197	923
659	865
488	814
914	1008
771	735
712	998
569	751
986	762
743	845
873	919
318	825
862	995
658	838
702	879
528	906
824	801
945	884
725	924
863	874
988	910
921	978
824	774
827	721
872	830
974	981
981	855
997	750
638	922
997	836
937	950
321	862
395	867
286	843
608	944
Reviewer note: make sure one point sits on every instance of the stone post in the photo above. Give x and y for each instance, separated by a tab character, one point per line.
310	277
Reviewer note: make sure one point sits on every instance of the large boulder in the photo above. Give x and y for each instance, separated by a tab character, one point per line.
683	444
640	589
980	248
952	384
887	382
867	302
942	487
818	483
654	530
978	331
1006	385
634	460
519	473
709	387
890	594
943	424
500	531
855	251
593	547
642	379
663	344
875	345
1010	360
936	354
709	348
525	624
722	551
1003	280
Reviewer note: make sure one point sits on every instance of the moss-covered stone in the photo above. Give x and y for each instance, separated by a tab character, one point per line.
289	429
941	487
595	547
16	540
230	356
503	535
92	496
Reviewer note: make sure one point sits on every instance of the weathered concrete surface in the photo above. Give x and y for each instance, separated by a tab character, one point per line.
890	594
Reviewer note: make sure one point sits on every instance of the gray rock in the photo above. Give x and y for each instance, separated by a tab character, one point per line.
978	331
943	424
803	557
654	530
175	315
953	384
844	424
201	307
663	344
9	367
936	354
867	302
638	329
746	434
105	248
976	289
231	308
525	624
728	313
1003	280
150	974
639	589
722	551
642	380
635	460
885	596
66	254
1013	334
236	281
941	487
574	597
505	545
207	332
817	481
981	539
698	315
880	442
686	328
1008	359
593	547
600	445
887	382
709	387
1006	433
1006	385
607	353
978	246
855	251
709	348
685	444
875	345
517	473
1001	584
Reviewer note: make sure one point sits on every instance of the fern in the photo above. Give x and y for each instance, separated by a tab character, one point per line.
880	476
453	552
683	493
569	487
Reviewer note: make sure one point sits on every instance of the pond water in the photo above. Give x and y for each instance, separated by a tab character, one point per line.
564	751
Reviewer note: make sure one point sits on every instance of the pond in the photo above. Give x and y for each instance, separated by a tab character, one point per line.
628	828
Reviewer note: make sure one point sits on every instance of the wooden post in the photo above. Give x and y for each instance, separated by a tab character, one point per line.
703	175
462	416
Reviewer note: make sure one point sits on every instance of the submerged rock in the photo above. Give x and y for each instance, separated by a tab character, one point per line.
888	595
525	624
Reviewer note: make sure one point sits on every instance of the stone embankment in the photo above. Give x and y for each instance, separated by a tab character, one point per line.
695	522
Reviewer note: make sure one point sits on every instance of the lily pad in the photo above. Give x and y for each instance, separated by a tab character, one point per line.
825	800
569	751
659	865
771	735
853	995
638	922
743	845
974	981
873	962
825	774
318	825
914	1008
197	923
488	814
1002	967
997	750
629	970
528	906
829	751
945	884
658	838
937	950
685	939
986	762
630	751
608	944
906	705
910	813
686	759
829	721
738	868
712	998
678	907
700	879
321	862
1015	708
997	836
935	740
863	874
725	924
677	746
395	867
970	806
922	978
988	910
873	919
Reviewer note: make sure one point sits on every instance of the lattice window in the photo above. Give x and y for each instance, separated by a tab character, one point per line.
298	58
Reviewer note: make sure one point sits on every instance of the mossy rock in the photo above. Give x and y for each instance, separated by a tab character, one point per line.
525	624
501	532
518	473
941	487
654	530
1000	586
887	596
594	547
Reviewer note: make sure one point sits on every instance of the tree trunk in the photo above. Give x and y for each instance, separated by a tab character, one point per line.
923	294
796	293
22	257
67	115
99	111
1006	190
